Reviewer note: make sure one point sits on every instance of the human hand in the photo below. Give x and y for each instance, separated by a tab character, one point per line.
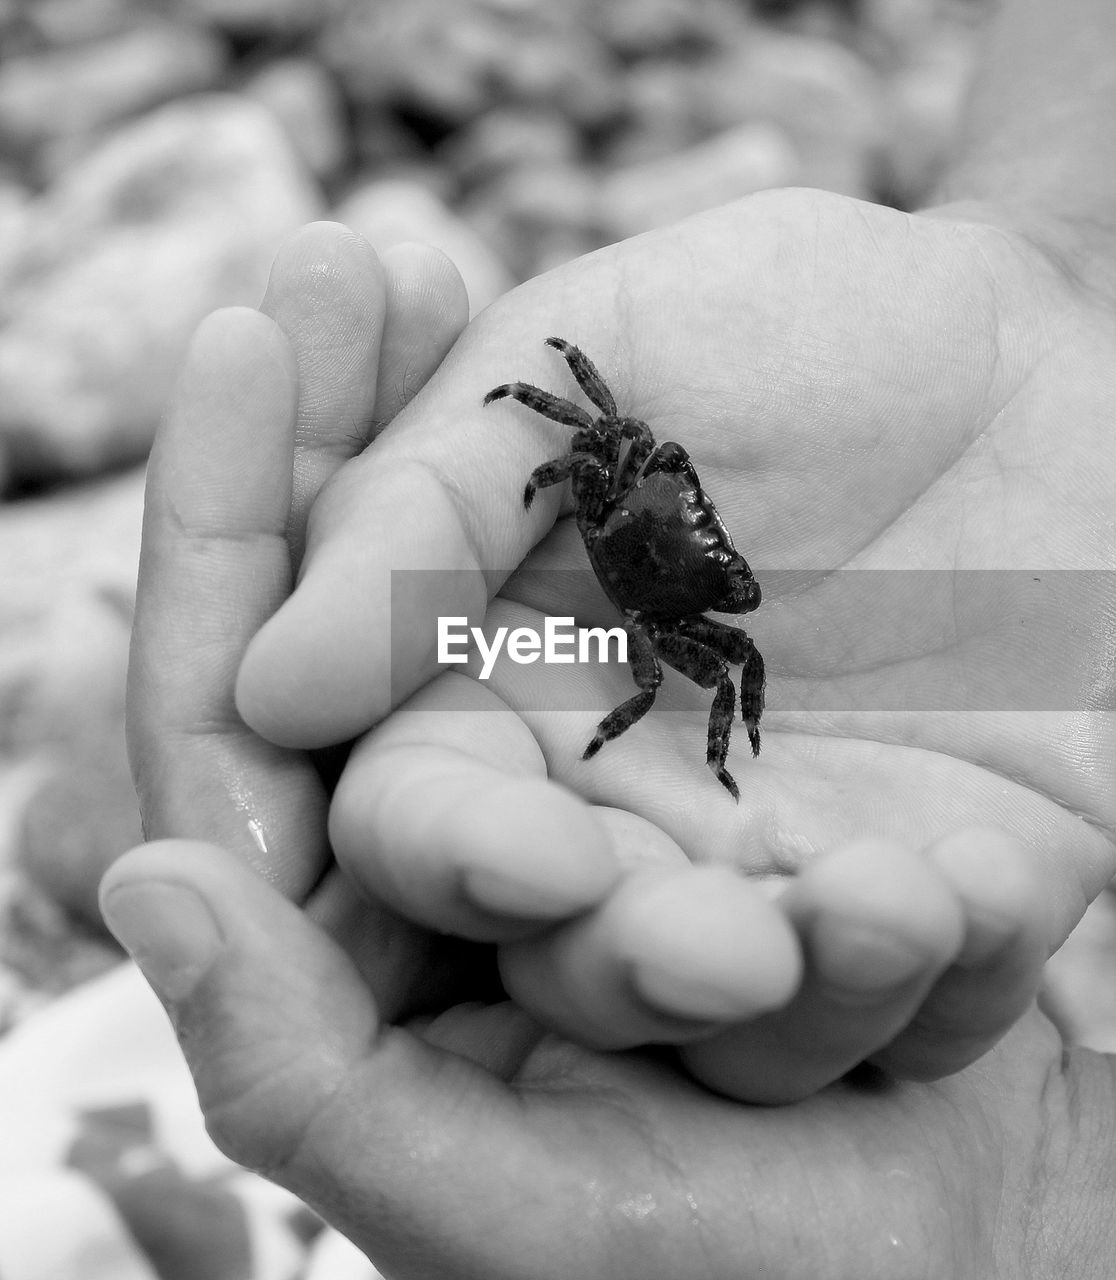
269	404
859	389
410	1149
673	953
438	1168
474	1146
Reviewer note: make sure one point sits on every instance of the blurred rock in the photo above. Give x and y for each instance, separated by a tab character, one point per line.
16	215
390	212
543	216
735	163
62	96
669	28
539	216
505	139
449	60
177	214
560	64
61	22
75	826
819	19
44	950
927	95
385	54
900	24
263	17
823	97
306	101
67	589
662	112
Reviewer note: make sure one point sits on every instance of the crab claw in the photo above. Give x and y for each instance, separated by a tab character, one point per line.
743	594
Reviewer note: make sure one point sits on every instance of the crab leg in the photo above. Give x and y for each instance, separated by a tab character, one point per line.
702	664
647	672
550	406
585	371
589	490
737	648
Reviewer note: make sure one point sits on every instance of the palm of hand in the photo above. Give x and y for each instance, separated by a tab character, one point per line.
877	403
835	476
887	411
674	1182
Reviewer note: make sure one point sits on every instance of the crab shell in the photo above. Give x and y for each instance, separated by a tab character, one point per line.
664	553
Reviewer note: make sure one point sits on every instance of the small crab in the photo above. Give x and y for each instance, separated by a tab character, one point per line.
661	553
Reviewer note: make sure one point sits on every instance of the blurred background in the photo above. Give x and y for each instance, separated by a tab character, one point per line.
154	154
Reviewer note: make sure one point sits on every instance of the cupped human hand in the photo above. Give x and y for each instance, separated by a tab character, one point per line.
903	421
652	948
473	1145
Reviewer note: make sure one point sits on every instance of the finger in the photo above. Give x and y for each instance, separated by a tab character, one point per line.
427	308
367	334
996	976
213	567
658	769
327	293
445	488
415	523
449	483
407	969
878	925
445	812
673	952
297	1076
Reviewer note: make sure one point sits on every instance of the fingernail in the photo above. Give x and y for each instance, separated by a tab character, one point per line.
514	895
702	1000
861	964
531	850
168	930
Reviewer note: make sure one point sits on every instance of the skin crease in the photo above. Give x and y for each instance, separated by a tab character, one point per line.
470	1144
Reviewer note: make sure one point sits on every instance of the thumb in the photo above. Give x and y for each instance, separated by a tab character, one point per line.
296	1076
269	1013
